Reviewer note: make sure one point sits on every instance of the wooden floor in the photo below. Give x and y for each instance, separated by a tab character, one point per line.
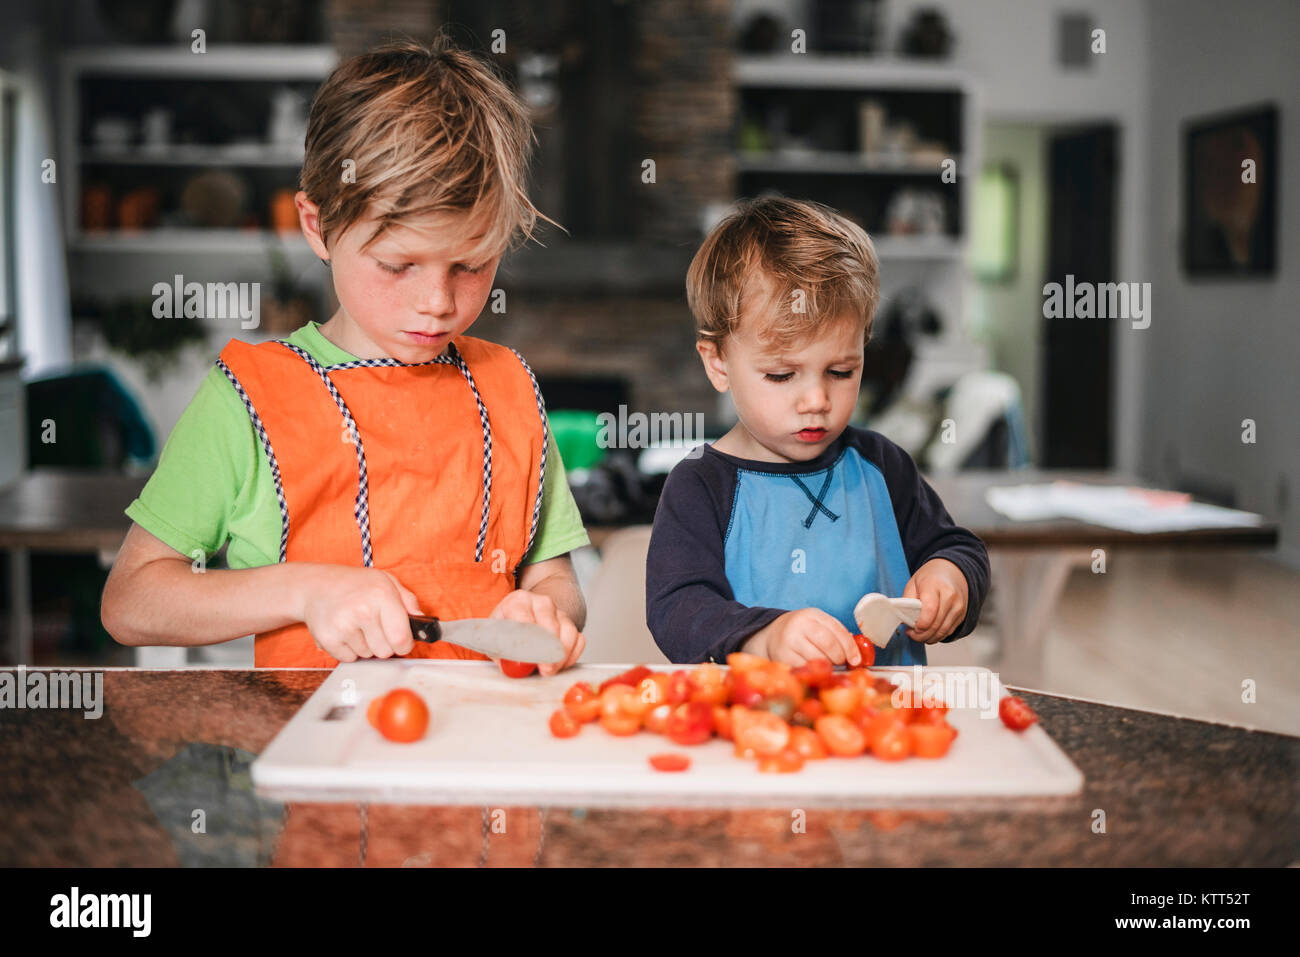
1167	630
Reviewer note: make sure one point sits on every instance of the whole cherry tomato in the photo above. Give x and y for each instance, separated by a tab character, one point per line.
564	724
681	687
722	722
402	716
582	702
889	738
867	649
517	669
841	699
712	684
1015	714
620	710
763	733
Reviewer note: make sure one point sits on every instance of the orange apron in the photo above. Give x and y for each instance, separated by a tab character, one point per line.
432	471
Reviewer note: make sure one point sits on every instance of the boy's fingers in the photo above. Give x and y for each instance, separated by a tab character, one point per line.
849	653
396	628
951	622
929	596
373	633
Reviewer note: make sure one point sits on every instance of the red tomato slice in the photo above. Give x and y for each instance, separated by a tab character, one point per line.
680	687
403	716
372	711
517	669
1015	714
743	661
786	761
669	762
632	677
652	691
656	719
888	736
842	699
620	710
722	722
841	736
764	733
930	740
806	742
743	692
712	684
815	673
564	724
690	723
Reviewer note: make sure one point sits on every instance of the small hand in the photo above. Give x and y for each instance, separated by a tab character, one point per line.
943	591
536	609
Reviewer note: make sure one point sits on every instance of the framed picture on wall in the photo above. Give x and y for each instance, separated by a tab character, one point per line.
1230	175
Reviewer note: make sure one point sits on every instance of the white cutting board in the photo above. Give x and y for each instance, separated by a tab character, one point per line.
489	742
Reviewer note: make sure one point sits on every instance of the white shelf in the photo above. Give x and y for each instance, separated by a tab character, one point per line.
822	161
848	72
221	61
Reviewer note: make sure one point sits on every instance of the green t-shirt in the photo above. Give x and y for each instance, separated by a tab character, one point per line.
213	483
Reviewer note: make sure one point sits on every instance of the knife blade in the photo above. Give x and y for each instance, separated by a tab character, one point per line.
494	637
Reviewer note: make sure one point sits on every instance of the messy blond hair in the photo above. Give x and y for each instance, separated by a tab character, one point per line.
797	264
429	130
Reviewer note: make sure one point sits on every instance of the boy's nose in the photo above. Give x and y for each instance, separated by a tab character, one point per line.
436	299
815	399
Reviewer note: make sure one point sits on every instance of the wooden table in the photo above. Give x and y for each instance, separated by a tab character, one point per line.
1032	560
58	510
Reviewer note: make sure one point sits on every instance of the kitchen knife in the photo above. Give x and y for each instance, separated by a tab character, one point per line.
878	616
494	637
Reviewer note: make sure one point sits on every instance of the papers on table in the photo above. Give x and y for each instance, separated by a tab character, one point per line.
1114	506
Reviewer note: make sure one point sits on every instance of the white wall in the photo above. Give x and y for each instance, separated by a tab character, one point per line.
1222	351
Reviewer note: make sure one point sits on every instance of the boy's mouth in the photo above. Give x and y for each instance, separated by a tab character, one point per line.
426	340
811	435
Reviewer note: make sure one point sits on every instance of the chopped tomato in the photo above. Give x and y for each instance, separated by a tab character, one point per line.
372	712
564	724
814	673
620	710
680	687
764	733
669	762
722	721
632	677
841	699
1015	714
743	692
867	649
690	723
806	742
517	669
841	736
712	684
888	736
656	719
809	710
929	715
739	661
652	690
784	762
402	716
930	740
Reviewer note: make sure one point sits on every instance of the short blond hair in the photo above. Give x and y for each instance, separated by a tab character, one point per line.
429	130
817	266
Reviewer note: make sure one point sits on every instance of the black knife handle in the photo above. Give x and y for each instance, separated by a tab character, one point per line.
424	628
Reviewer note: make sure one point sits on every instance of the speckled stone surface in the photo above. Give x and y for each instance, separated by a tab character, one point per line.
162	779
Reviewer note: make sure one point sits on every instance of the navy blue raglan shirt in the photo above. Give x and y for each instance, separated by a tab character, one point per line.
737	543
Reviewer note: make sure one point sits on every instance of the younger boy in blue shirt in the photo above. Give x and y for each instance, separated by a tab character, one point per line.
767	539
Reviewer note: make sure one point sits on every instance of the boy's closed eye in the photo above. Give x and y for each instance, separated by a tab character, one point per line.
787	376
397	269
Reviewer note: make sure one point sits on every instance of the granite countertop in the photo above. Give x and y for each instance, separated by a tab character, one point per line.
162	778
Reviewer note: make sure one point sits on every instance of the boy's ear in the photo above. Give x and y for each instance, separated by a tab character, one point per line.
713	365
309	220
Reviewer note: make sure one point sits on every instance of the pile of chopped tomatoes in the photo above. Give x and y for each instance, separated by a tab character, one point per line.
778	715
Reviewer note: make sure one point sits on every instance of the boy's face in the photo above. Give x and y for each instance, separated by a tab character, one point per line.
793	402
411	291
